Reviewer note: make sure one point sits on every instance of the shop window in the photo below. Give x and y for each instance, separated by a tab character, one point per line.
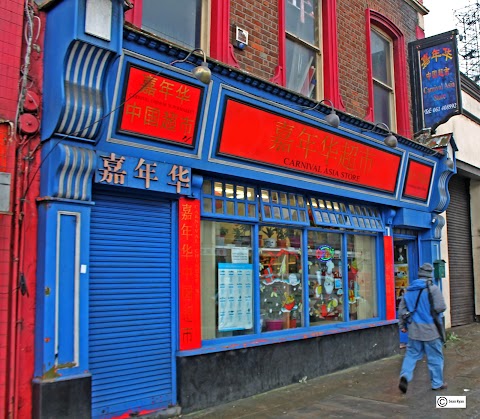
226	280
280	274
326	283
283	207
183	22
258	283
338	214
223	199
387	64
362	279
302	45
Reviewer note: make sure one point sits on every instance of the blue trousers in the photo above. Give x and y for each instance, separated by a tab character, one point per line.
416	349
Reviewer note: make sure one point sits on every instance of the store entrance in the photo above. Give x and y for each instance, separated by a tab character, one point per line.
405	259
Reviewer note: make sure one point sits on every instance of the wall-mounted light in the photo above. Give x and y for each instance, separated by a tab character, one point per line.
390	140
332	118
202	72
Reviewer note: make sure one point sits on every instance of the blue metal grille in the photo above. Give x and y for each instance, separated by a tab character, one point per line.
229	200
130	325
283	207
338	214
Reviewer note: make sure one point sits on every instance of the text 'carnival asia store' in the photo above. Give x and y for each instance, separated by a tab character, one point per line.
233	241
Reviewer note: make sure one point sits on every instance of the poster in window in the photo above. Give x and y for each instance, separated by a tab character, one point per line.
235	296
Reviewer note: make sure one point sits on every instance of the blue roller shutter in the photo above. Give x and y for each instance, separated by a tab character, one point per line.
130	339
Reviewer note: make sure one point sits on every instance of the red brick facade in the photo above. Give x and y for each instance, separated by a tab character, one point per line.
18	225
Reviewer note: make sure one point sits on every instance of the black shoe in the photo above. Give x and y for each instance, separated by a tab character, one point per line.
403	385
444	386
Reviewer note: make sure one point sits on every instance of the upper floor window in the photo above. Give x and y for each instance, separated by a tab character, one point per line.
387	72
179	21
302	46
383	78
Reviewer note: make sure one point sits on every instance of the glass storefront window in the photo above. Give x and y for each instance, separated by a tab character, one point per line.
325	278
227	279
305	272
281	297
362	278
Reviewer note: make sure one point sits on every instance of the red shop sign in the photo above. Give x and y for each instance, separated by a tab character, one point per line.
189	274
160	107
257	135
417	183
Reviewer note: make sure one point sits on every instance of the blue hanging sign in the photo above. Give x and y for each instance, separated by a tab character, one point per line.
436	80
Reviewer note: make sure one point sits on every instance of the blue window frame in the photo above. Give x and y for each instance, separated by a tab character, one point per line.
331	213
283	207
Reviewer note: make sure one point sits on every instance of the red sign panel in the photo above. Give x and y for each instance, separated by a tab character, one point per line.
389	278
417	183
257	135
160	107
189	274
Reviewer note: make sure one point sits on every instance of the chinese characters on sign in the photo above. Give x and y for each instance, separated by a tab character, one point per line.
285	143
136	172
436	78
160	107
417	183
189	273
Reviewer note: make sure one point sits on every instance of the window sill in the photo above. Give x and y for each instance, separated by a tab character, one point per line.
272	338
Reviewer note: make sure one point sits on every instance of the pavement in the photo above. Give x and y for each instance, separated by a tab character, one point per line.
371	390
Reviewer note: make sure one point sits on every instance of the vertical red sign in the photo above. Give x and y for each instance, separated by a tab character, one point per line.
189	274
389	278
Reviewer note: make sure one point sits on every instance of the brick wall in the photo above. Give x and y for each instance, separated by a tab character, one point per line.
11	35
260	19
352	46
11	30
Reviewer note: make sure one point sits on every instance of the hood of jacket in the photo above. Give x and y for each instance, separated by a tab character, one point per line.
417	284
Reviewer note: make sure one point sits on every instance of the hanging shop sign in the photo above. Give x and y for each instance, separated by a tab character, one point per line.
190	324
435	79
159	107
137	172
418	180
275	140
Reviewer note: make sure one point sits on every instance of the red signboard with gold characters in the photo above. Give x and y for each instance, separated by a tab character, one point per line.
417	183
189	273
254	134
159	107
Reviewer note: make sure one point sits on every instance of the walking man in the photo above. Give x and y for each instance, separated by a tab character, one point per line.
416	313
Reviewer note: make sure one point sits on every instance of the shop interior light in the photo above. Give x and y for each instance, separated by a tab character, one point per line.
332	118
202	72
390	140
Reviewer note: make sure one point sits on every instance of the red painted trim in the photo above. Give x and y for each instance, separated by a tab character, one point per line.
419	32
331	80
280	77
374	18
390	311
220	47
134	16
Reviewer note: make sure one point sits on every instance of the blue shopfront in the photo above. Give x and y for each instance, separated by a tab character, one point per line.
199	226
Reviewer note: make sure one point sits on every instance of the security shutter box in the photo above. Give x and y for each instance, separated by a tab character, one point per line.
130	338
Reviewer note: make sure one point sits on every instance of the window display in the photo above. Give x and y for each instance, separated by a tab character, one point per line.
301	269
325	278
227	280
281	299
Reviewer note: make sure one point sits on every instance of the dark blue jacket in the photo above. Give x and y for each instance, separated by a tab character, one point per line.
422	326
